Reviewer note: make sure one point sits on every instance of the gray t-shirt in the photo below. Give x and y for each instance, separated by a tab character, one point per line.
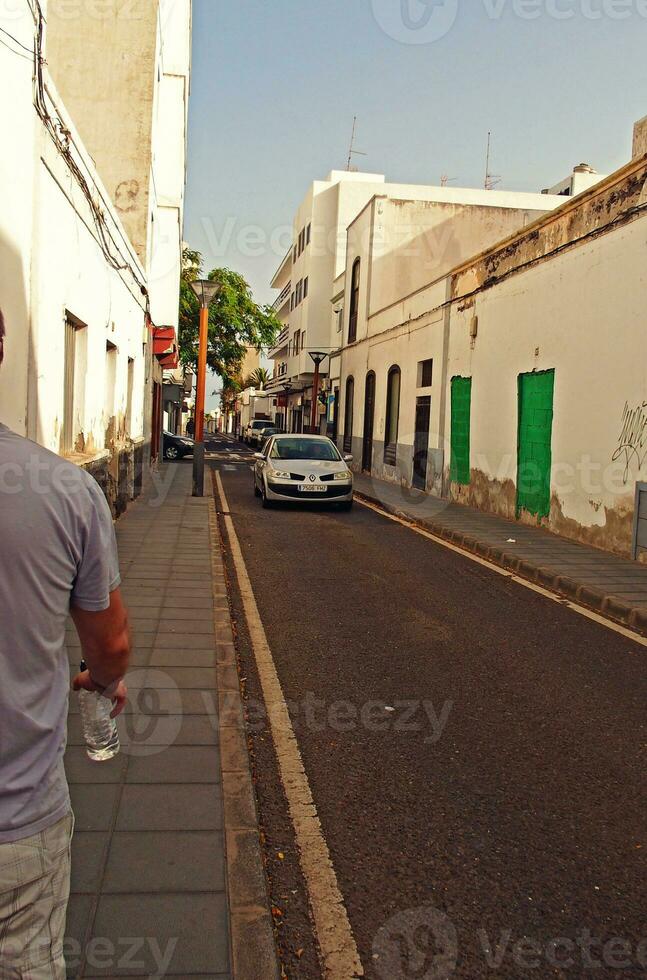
57	544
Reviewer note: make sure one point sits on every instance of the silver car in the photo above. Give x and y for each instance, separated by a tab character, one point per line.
303	468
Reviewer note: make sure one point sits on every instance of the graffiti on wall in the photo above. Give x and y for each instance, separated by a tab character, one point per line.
632	443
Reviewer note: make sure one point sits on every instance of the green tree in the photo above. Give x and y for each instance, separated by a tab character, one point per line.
257	379
236	321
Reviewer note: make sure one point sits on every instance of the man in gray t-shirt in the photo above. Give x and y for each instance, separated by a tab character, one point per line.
58	556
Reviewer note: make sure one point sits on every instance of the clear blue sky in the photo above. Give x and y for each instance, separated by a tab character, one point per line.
276	84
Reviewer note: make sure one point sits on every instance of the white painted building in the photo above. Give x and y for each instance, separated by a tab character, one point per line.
514	381
88	271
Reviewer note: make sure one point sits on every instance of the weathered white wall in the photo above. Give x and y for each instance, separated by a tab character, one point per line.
18	124
583	314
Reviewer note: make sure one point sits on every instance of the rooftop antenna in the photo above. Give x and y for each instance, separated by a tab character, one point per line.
352	152
491	180
445	180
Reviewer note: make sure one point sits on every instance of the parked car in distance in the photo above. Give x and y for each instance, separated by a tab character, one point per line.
176	447
265	434
251	430
302	468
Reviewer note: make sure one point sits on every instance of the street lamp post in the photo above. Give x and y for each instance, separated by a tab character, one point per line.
317	356
206	291
287	388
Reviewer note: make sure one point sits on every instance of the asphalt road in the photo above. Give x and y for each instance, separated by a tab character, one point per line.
495	822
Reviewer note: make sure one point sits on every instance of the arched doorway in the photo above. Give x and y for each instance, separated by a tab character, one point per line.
369	418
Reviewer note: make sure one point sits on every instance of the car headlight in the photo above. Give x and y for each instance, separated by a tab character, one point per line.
279	475
344	476
187	442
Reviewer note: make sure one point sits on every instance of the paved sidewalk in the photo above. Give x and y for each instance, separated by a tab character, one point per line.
150	883
613	586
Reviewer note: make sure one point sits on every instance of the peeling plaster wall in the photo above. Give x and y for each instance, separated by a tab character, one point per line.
581	313
401	321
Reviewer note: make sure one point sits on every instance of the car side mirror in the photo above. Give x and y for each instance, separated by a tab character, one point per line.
348	458
258	456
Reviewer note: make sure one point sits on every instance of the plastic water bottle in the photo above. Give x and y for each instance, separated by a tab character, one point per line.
99	729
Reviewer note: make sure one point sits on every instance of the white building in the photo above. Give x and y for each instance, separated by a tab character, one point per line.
91	195
399	253
515	380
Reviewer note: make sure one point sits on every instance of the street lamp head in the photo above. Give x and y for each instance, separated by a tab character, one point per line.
318	356
206	290
288	386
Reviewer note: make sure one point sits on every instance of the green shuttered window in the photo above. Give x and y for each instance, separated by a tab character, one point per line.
460	430
536	393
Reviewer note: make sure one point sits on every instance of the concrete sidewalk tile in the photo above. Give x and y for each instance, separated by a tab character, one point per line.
88	854
177	764
192	615
230	710
183	628
80	769
234	756
142	734
145	808
165	861
196	678
192	601
246	876
170	701
238	800
225	653
191	929
253	948
139	625
93	805
172	640
227	675
183	658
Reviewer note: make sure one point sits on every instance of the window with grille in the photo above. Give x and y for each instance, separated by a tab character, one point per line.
392	416
354	301
348	415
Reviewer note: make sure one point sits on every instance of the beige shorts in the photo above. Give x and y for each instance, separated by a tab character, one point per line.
34	890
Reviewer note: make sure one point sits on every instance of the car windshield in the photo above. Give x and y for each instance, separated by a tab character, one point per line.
259	424
304	449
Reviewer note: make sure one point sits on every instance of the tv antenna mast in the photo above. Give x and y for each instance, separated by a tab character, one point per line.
491	180
352	152
445	179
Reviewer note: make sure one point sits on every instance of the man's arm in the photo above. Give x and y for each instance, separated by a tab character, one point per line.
105	641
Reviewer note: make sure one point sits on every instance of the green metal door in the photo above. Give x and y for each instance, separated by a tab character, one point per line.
459	468
534	455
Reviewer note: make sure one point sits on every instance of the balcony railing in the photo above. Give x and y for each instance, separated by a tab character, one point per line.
282	298
280	342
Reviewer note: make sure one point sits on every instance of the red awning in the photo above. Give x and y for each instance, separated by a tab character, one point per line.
165	347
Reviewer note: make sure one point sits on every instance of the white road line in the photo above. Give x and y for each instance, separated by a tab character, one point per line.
506	573
340	958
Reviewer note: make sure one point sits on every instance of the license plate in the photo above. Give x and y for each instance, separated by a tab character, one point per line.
311	488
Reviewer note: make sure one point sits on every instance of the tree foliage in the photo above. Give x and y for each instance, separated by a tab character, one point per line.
236	321
257	379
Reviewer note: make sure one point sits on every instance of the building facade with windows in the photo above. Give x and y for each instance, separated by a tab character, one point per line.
392	341
305	277
513	382
90	258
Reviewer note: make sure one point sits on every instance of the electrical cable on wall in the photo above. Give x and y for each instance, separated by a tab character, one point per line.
61	138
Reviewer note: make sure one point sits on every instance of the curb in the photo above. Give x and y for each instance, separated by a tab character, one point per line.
253	950
595	599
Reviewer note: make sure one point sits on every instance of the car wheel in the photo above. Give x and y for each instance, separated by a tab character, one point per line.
267	504
257	492
171	452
